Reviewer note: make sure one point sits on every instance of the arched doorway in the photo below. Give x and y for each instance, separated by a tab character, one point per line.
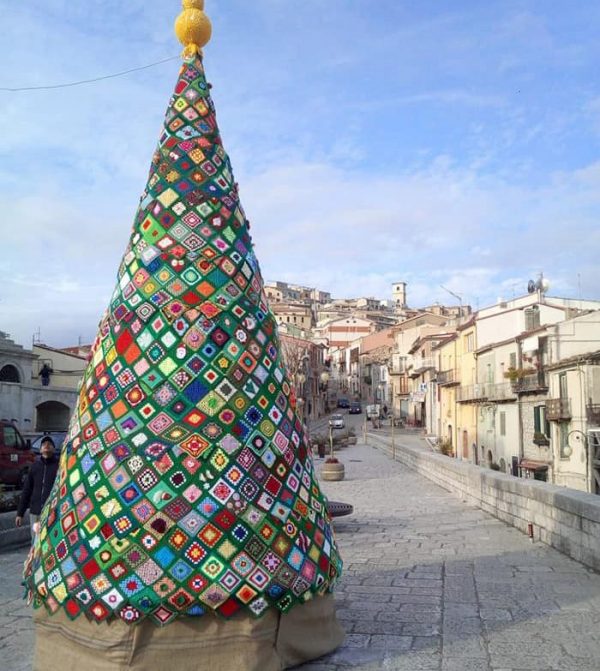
52	416
502	465
490	458
9	373
465	444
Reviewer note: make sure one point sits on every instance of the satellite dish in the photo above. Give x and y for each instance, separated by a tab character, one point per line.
530	287
544	285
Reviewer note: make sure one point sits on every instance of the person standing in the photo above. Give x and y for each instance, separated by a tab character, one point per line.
38	484
45	374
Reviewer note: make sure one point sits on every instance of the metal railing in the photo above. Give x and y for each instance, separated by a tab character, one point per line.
421	364
533	382
471	392
448	377
558	409
502	391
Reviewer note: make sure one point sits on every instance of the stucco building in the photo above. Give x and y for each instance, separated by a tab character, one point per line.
33	406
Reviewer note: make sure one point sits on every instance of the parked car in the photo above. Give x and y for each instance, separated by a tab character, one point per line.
343	403
336	421
16	455
355	408
58	438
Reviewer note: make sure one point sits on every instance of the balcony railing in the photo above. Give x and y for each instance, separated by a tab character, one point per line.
502	391
472	393
593	413
448	377
399	365
530	383
558	409
421	364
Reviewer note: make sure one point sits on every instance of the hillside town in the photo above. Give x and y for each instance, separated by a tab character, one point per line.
514	387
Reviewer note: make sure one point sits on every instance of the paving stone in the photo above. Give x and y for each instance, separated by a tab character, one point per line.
389	642
462	664
412	662
419	629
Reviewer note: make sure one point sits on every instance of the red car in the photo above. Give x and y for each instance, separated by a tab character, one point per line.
16	455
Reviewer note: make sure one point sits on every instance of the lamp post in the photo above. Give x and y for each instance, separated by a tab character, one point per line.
324	388
300	380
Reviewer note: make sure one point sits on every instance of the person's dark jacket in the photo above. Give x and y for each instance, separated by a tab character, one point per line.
38	485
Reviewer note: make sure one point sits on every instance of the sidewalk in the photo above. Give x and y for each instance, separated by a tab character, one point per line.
430	584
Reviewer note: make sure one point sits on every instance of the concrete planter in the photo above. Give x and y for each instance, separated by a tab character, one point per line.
332	471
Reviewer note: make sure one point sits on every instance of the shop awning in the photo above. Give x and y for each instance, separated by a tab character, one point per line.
531	465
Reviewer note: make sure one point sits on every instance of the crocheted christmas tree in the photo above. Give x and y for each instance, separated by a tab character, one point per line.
186	484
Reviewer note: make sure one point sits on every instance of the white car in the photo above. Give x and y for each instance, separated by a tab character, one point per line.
336	421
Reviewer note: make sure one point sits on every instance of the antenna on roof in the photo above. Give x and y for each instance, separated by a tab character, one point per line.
455	296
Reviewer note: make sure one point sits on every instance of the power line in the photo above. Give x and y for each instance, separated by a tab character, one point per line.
86	81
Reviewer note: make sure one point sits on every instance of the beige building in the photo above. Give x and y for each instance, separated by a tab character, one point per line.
405	335
274	295
572	409
339	333
465	379
375	359
305	364
293	314
446	352
423	404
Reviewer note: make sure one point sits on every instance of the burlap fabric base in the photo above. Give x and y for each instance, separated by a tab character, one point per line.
274	642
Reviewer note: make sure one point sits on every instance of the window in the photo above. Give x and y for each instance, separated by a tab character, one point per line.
502	423
562	386
563	429
470	338
532	318
540	423
512	360
11	437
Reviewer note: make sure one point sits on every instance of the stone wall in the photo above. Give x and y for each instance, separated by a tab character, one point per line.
565	519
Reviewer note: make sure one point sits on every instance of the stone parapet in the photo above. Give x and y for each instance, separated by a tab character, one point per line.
565	519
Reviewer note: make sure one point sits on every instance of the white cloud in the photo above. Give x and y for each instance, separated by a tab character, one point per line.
378	144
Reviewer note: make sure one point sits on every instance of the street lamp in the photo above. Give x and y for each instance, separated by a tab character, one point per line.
324	377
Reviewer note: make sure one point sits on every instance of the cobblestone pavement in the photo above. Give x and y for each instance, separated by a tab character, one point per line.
430	584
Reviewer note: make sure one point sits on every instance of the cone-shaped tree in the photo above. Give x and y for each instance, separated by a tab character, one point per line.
185	484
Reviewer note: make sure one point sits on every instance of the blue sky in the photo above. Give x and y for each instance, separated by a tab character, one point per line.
439	143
